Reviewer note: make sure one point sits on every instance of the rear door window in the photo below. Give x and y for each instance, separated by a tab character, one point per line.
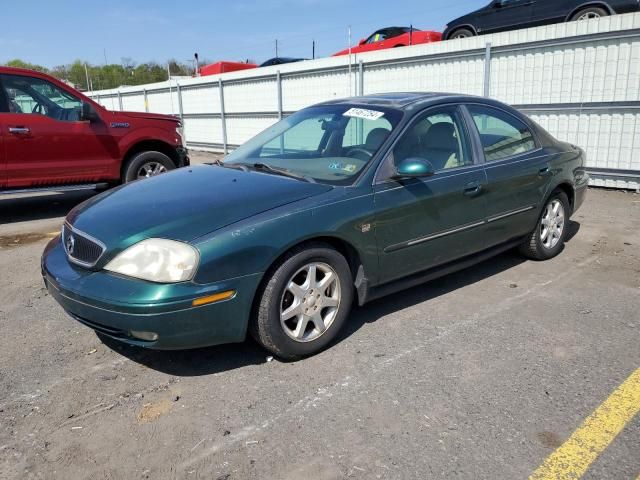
502	135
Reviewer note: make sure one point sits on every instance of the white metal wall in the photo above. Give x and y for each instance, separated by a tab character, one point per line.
580	80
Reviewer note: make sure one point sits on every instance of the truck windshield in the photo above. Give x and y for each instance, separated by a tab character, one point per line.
331	144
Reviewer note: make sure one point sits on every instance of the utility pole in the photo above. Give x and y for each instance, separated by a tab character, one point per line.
313	50
86	73
276	48
350	73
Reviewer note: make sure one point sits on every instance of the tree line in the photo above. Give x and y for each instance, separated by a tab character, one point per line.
100	77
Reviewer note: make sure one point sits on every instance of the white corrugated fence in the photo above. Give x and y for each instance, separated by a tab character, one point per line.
580	80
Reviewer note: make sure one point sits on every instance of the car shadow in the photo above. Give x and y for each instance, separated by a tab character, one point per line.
192	363
211	360
23	208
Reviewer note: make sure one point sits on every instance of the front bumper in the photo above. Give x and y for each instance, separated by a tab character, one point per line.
183	157
116	306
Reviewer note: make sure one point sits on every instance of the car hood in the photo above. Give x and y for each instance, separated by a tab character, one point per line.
184	204
149	116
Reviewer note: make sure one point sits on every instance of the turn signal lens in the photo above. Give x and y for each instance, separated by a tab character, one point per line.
217	297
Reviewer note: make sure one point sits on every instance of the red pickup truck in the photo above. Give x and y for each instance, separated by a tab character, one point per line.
54	138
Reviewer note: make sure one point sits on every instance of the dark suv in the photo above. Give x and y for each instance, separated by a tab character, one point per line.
501	15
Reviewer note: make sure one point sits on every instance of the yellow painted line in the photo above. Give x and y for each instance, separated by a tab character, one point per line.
572	459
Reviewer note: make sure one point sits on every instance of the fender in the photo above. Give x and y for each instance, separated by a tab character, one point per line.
138	135
462	25
604	5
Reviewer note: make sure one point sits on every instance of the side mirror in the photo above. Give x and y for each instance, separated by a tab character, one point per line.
88	113
414	167
362	41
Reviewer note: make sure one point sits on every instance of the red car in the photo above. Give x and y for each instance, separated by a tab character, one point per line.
393	37
225	67
53	137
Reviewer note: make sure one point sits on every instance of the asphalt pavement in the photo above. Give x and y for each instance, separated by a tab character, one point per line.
479	375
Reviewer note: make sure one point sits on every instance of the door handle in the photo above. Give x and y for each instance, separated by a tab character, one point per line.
472	189
545	172
19	130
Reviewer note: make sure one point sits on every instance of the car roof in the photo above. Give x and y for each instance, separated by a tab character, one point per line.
393	28
19	71
404	100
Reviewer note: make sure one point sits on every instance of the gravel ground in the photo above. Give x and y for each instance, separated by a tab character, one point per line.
478	375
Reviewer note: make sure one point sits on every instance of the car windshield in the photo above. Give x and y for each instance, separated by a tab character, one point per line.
330	144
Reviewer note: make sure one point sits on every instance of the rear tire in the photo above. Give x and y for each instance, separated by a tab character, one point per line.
145	165
547	240
461	33
297	315
589	13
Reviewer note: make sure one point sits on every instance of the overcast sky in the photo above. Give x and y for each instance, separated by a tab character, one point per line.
57	32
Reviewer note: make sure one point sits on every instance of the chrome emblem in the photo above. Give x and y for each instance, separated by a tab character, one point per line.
70	244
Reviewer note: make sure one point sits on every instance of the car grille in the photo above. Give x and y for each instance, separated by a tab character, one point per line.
80	247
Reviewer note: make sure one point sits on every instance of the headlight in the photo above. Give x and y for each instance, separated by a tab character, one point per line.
157	260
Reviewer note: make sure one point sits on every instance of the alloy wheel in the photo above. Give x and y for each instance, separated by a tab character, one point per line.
552	224
151	169
310	302
589	16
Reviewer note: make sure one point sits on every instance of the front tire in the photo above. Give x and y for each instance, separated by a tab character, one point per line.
304	303
589	13
547	240
146	165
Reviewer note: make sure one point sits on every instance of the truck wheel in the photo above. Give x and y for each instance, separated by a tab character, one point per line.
547	240
589	13
146	165
304	303
461	33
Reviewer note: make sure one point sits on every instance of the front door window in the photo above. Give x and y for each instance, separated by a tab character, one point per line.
34	96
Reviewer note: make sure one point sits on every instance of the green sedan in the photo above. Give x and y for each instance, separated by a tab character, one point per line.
339	203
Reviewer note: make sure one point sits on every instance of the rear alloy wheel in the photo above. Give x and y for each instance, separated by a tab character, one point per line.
304	303
547	240
590	13
461	33
146	165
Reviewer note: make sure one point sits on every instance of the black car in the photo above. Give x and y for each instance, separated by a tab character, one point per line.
501	15
280	61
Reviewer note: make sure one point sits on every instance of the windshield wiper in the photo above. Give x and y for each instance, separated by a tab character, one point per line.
236	166
263	167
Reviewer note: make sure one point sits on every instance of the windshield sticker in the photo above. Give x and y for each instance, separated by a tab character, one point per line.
363	113
349	168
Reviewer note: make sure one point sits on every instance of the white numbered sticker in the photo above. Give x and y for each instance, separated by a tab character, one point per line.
363	113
